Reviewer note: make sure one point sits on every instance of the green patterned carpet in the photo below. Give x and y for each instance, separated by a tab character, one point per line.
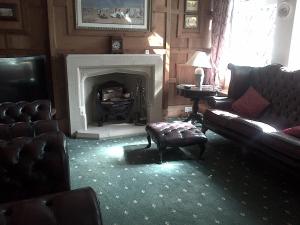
228	187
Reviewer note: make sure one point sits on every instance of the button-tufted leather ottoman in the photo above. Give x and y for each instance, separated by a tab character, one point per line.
175	134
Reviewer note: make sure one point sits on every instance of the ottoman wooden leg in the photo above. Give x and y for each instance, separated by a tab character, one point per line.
203	129
161	151
149	141
202	150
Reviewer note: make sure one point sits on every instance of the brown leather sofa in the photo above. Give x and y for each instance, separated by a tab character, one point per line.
282	89
75	207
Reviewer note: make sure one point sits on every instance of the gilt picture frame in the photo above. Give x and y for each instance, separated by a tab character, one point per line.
190	21
128	15
191	5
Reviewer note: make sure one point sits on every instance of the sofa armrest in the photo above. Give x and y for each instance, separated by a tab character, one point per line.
281	136
74	207
223	103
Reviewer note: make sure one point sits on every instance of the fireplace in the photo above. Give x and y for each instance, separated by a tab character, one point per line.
82	69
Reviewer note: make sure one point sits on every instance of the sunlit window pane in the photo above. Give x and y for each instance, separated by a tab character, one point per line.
252	32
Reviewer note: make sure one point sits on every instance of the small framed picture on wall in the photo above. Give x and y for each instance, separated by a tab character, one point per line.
8	11
190	21
191	5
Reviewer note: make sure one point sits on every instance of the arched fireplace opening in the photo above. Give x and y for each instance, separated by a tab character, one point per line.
115	98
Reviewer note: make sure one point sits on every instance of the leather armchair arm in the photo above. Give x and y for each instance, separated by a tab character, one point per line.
223	103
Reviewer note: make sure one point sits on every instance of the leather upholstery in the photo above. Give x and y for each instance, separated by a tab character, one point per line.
32	166
219	117
223	103
25	111
175	134
26	129
282	89
75	207
282	143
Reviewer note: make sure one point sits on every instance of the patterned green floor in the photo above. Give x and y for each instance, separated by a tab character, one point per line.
226	188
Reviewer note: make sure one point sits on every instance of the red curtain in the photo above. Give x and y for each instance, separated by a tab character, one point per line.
221	16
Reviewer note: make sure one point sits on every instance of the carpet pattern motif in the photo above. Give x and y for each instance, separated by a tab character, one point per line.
227	187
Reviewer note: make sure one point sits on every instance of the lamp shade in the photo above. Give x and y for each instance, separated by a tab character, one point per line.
200	59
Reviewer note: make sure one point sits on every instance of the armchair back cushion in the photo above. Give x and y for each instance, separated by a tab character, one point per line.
11	112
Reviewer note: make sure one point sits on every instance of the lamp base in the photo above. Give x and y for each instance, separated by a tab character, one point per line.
199	76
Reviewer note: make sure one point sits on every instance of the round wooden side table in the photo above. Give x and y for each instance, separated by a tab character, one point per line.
195	94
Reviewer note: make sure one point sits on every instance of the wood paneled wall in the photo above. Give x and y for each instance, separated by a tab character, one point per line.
183	44
66	39
48	27
29	34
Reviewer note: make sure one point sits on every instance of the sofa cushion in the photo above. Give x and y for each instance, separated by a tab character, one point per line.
233	122
251	104
249	128
294	131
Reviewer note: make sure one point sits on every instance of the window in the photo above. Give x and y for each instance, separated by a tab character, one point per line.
252	32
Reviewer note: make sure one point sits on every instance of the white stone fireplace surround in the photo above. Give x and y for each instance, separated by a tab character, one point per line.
82	66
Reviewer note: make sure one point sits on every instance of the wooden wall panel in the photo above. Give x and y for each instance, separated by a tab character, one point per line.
183	44
29	34
2	41
13	25
18	41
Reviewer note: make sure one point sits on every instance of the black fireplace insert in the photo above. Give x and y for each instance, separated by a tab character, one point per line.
113	103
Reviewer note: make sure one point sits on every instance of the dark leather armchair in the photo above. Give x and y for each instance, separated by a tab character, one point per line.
34	162
75	207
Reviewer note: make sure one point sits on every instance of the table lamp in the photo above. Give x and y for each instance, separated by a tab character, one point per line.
200	60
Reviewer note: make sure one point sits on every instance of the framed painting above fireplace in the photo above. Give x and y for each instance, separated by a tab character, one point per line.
129	15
